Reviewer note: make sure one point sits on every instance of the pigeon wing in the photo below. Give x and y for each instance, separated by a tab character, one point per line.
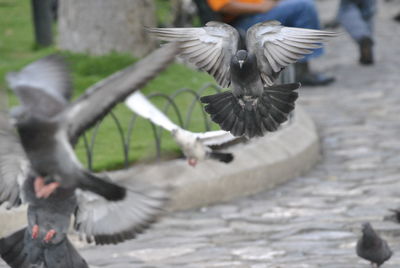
139	104
49	74
210	48
215	138
98	100
113	222
14	165
276	46
43	87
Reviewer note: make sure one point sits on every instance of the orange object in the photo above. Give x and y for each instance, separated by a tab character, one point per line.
216	5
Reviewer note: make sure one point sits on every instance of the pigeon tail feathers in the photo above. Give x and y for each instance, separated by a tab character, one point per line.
223	157
64	255
100	186
252	116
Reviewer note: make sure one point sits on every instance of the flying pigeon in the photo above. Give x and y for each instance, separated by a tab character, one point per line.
195	146
48	125
249	67
371	247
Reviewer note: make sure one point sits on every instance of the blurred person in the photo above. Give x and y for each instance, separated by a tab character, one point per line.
242	14
356	16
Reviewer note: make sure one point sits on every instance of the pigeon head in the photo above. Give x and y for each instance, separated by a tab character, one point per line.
367	229
241	57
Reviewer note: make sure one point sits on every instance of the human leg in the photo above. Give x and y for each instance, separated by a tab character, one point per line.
357	18
352	19
291	13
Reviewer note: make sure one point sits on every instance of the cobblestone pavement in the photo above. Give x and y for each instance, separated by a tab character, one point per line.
314	220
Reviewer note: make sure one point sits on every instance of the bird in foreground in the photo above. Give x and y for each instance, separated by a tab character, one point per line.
372	247
48	125
96	218
195	146
254	105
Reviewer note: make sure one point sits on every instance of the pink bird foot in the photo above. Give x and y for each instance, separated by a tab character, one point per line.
43	190
50	234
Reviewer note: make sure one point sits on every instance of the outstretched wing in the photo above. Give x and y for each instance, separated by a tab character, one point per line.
113	222
138	103
14	165
103	96
43	87
210	48
215	138
276	46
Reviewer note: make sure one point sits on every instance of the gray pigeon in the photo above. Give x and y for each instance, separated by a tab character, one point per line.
44	88
371	247
253	106
48	125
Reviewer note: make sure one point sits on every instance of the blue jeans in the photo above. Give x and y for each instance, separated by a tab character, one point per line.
291	13
356	16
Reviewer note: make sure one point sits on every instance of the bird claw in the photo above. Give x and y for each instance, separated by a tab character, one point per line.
49	235
43	190
35	231
192	162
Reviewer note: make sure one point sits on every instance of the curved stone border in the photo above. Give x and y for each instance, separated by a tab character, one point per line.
259	165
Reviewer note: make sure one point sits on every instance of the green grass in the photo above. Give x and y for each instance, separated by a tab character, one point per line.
17	49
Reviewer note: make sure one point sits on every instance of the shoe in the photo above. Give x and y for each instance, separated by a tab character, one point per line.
397	17
366	53
308	78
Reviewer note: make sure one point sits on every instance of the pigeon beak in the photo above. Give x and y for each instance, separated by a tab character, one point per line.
240	63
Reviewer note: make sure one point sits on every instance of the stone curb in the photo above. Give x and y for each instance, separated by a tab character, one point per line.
259	165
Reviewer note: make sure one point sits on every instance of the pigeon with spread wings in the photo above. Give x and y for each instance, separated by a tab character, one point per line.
195	146
254	105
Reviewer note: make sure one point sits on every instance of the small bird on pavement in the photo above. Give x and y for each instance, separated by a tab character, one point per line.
249	67
372	247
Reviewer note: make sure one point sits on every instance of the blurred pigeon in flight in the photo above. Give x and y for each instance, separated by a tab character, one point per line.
195	146
44	89
249	67
48	124
371	247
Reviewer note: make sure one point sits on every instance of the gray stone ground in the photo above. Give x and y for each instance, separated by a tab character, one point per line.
314	220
